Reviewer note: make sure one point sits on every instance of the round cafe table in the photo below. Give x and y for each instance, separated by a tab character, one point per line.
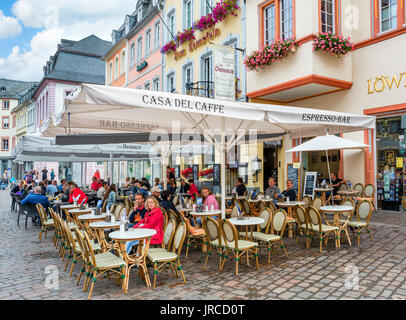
66	209
89	218
349	193
290	205
248	222
337	210
99	227
75	212
323	192
139	259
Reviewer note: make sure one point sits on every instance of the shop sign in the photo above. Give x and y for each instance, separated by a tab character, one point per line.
142	66
383	83
224	73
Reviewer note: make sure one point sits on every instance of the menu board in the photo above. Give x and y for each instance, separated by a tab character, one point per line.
216	175
310	184
294	175
195	172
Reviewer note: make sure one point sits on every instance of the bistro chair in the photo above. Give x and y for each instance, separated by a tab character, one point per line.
173	215
193	234
175	200
213	239
272	206
46	224
307	200
161	258
300	216
74	249
117	211
57	232
29	210
104	206
246	207
234	212
343	187
315	225
102	263
359	187
236	246
369	191
361	225
261	206
347	216
317	203
169	232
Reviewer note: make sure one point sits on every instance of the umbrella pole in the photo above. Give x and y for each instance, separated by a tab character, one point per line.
223	169
329	176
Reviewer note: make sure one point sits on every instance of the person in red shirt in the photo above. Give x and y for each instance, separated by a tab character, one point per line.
76	193
193	189
153	219
97	175
95	185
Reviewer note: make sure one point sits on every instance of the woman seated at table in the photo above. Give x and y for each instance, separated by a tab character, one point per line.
209	200
153	219
111	196
289	192
166	201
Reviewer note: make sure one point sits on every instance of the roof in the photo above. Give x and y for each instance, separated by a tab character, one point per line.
91	45
14	89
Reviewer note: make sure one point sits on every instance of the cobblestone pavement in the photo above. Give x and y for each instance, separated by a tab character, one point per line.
379	268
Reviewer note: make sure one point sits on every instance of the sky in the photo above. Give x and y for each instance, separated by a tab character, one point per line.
30	30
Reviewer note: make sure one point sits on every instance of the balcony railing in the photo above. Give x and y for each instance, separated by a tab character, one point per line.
200	89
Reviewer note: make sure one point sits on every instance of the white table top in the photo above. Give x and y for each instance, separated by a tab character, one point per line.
205	214
92	217
70	206
348	191
104	224
336	208
80	210
248	221
290	203
132	234
323	189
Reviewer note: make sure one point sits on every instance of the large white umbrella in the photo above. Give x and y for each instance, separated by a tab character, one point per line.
326	143
104	109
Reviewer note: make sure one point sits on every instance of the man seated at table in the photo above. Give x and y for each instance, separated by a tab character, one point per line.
171	186
76	193
272	191
139	210
289	192
336	183
60	187
102	190
52	188
240	187
36	197
166	201
184	187
156	193
64	195
95	185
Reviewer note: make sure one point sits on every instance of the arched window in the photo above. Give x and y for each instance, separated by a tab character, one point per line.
123	62
116	67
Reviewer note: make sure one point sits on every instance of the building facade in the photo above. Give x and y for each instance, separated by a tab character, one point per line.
369	80
134	60
10	93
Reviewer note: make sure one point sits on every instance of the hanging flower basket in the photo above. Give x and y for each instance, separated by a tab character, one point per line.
187	172
333	44
277	50
208	172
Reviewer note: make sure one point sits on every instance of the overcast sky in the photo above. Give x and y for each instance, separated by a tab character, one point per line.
31	29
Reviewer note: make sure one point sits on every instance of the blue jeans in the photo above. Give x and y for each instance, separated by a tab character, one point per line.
129	245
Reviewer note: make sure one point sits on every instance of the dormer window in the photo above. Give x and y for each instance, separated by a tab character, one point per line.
139	14
3	89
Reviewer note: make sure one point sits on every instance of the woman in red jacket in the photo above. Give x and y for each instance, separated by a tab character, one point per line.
153	219
76	193
193	189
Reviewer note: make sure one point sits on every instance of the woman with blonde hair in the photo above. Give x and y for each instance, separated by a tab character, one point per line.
153	219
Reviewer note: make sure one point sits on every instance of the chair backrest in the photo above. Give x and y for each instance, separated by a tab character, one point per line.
56	221
174	215
229	233
42	213
212	229
307	200
279	222
69	237
348	202
83	247
272	207
314	217
261	205
103	208
343	187
246	207
175	200
359	187
112	208
364	211
166	219
117	211
369	191
29	209
300	214
169	232
234	212
179	238
265	214
317	203
89	248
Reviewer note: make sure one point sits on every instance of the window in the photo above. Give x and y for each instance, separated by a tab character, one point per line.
269	24
139	49
3	89
208	68
207	6
111	72
6	105
157	36
171	82
139	14
6	121
187	76
206	87
388	15
286	13
147	86
148	43
132	54
116	67
155	84
123	62
4	144
327	15
171	23
188	14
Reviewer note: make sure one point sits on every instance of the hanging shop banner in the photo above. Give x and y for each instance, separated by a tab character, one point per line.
224	73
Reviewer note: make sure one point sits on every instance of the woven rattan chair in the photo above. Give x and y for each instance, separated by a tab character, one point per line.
359	187
213	239
162	258
58	232
261	206
343	187
369	191
307	200
46	223
315	226
236	246
317	203
234	212
102	263
246	207
347	216
300	217
117	211
74	249
193	234
169	232
175	200
363	215
272	207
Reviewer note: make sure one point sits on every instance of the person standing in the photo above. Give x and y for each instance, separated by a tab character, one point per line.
44	174
97	175
5	176
52	174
